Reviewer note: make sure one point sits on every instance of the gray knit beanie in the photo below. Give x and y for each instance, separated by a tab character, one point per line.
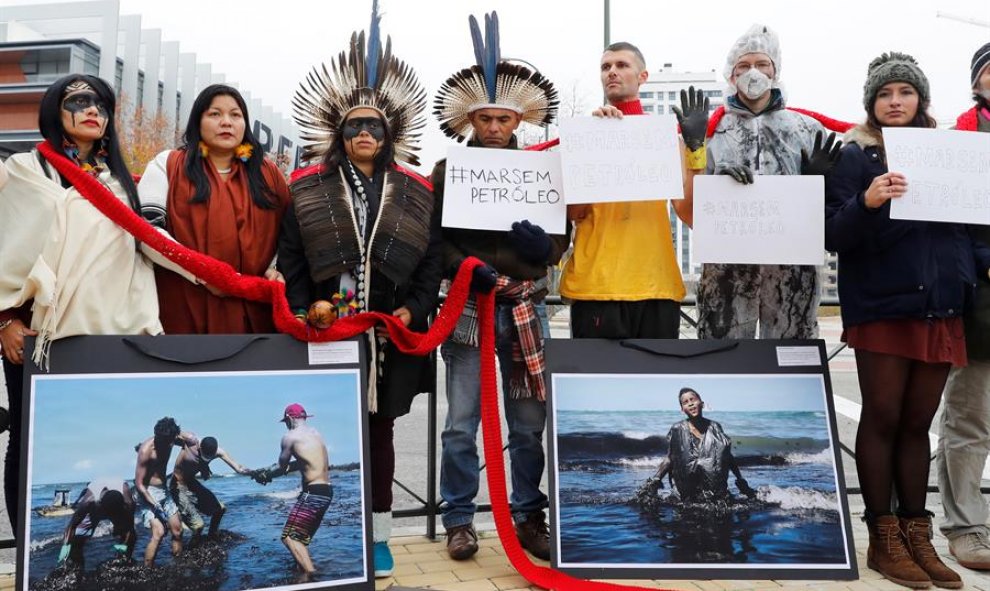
894	67
980	60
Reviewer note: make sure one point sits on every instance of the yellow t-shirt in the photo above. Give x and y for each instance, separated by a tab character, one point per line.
624	252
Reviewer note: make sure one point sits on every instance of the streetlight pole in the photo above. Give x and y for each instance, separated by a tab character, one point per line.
608	18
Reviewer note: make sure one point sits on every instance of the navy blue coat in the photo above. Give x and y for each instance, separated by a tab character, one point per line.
895	268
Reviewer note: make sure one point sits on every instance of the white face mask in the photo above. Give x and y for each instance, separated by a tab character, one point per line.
985	93
753	83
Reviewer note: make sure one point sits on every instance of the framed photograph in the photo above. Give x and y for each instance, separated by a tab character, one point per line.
695	460
206	463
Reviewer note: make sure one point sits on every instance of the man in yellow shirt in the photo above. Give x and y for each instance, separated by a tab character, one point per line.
622	278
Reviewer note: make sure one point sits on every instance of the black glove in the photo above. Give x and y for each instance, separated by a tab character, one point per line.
261	475
740	172
823	157
530	241
692	117
744	488
483	279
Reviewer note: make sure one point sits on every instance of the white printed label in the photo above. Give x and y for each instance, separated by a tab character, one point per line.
791	356
335	353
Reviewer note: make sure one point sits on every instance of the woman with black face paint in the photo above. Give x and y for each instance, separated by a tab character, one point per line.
67	270
362	233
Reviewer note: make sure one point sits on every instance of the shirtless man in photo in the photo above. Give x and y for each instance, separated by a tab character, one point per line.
303	449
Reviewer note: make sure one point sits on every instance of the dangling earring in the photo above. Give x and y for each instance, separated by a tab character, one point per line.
204	150
71	150
244	151
104	150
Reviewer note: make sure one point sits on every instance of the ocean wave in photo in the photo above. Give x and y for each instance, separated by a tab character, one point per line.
603	460
597	450
249	554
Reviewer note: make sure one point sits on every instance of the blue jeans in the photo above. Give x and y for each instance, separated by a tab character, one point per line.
526	418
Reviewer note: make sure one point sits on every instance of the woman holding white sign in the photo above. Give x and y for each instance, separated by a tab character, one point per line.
903	286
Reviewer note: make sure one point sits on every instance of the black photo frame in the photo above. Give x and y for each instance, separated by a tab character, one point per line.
610	409
102	395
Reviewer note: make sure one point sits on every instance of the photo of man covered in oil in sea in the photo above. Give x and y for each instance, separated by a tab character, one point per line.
221	481
696	472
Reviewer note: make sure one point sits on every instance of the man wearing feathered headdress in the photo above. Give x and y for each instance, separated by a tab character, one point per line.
486	104
363	234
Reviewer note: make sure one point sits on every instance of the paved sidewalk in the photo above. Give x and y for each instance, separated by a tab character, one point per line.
421	563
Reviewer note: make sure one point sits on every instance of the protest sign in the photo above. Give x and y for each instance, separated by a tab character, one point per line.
777	220
948	174
488	189
628	159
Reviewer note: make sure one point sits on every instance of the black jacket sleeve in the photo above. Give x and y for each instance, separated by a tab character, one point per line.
424	285
292	262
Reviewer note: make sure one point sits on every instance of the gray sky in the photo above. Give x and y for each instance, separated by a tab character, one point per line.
826	46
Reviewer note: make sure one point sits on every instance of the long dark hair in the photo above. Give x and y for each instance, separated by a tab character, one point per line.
337	154
261	194
50	124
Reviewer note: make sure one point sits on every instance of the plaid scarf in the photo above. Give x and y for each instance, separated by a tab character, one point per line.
526	373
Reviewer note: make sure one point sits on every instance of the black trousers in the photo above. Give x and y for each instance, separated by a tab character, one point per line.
381	432
645	319
14	374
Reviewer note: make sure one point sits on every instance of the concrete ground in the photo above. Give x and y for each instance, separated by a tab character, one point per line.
421	562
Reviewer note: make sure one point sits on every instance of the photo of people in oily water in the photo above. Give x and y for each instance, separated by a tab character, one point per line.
202	482
695	470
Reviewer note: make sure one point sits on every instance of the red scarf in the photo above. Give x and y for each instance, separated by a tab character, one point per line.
633	107
970	121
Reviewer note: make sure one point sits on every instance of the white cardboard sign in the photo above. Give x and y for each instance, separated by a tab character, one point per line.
948	174
777	220
628	159
488	189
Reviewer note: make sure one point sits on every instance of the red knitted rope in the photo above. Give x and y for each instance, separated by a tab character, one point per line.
826	121
223	276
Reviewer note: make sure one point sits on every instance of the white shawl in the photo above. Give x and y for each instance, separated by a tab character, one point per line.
82	270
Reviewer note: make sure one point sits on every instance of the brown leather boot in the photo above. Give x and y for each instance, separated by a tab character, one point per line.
534	535
889	556
462	542
918	532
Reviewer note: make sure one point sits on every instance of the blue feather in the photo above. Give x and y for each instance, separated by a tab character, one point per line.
374	46
491	53
479	44
497	43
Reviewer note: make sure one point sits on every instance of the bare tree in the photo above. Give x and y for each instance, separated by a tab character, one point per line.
574	101
142	136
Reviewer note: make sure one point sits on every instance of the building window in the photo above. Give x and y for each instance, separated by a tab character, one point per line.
713	93
646	95
659	109
672	95
45	65
648	108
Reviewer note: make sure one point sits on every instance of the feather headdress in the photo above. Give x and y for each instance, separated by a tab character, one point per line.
364	76
492	83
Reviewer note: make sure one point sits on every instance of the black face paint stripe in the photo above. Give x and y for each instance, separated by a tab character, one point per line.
355	125
80	101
